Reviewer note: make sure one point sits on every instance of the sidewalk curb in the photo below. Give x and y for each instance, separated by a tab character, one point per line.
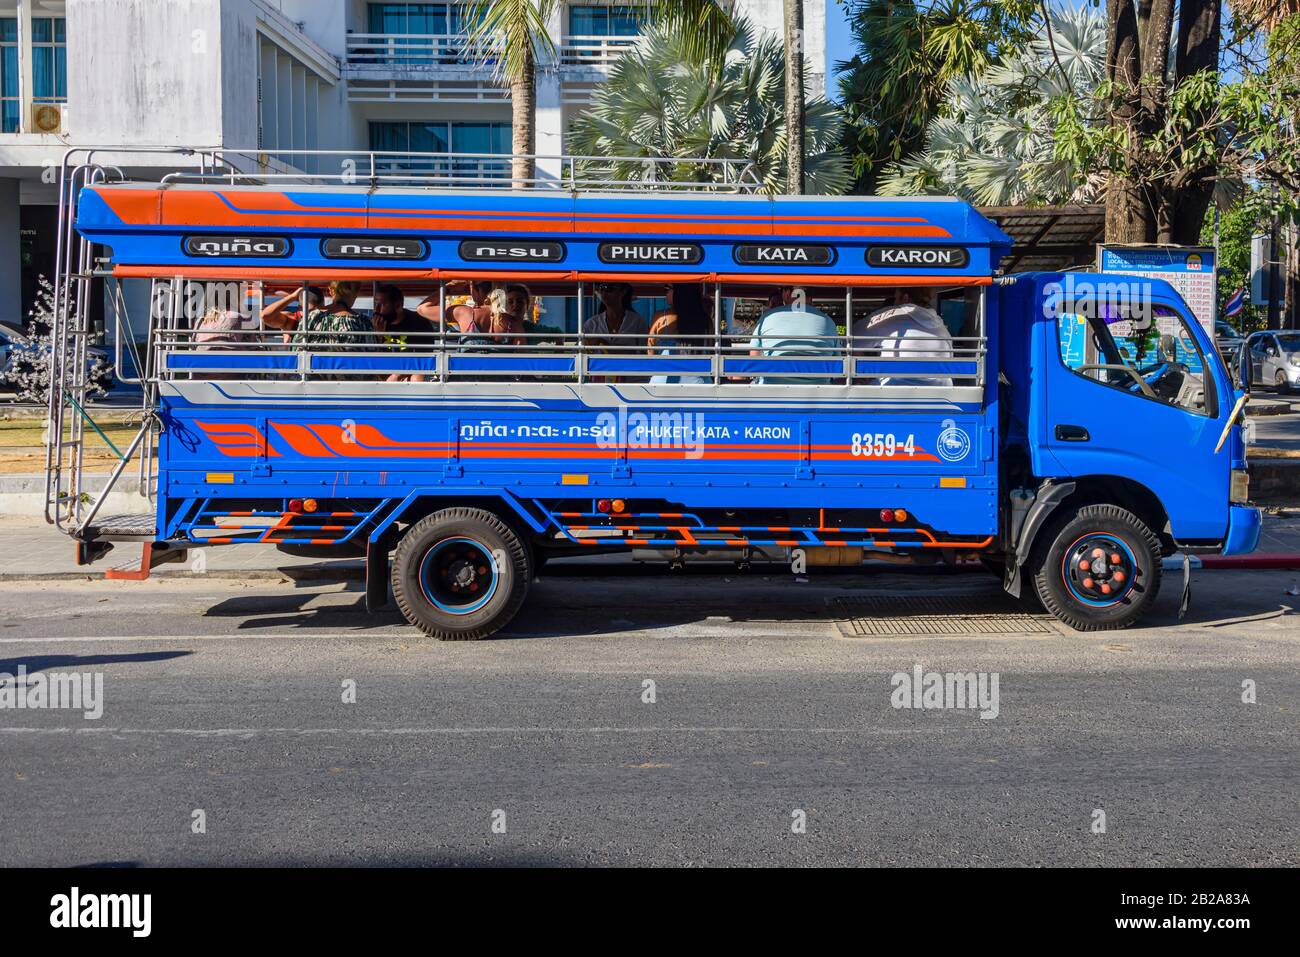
1267	407
1275	560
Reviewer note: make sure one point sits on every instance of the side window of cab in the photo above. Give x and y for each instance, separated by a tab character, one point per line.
1151	354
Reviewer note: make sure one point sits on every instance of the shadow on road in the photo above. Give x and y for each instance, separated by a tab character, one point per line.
35	663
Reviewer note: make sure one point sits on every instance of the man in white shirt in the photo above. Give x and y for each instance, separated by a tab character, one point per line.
909	329
617	325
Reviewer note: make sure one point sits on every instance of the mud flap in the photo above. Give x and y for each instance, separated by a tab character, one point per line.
377	573
1187	587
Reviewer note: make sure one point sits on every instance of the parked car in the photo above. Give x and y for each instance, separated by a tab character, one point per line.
1229	342
1274	358
16	357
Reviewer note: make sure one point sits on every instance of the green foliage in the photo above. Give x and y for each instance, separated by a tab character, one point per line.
1237	134
662	101
1236	227
993	143
515	31
908	52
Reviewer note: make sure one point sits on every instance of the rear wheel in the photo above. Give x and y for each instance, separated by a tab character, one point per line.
1098	568
461	574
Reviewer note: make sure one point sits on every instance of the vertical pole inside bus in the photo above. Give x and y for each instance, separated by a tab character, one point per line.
717	333
581	357
848	334
442	329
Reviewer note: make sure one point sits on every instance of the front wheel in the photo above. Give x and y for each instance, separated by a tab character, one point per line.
1098	568
461	574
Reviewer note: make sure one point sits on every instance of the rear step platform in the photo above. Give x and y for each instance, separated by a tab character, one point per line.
121	528
96	540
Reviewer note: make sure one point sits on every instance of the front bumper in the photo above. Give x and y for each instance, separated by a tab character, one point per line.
1244	524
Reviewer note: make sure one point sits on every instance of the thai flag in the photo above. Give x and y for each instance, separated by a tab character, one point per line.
1236	302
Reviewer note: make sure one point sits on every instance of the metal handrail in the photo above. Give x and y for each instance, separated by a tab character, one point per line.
839	350
566	171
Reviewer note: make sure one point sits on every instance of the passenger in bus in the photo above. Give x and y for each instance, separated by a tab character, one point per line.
794	328
519	301
681	329
908	329
478	292
403	328
336	326
470	318
277	315
221	329
617	326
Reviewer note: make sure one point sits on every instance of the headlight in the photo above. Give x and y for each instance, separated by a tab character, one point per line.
1239	488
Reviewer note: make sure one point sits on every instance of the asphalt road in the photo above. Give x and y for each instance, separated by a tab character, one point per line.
227	697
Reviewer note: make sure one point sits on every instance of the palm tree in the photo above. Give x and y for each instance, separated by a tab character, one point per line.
993	142
1264	14
514	31
794	95
660	101
515	34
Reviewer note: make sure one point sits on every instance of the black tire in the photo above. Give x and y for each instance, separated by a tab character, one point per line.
1122	577
445	578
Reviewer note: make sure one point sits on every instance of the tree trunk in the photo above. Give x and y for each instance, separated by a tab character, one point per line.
794	104
1128	214
1199	28
523	124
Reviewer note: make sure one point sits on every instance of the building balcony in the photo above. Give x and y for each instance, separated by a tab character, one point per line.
444	67
593	53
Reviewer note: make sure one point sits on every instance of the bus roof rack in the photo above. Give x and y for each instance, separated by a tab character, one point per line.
375	168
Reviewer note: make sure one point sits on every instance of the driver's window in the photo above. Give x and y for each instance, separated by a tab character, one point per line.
1153	355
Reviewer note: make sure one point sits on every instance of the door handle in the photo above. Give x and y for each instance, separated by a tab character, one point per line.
1072	433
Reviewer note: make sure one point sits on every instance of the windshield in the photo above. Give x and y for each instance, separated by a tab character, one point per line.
1290	343
1225	331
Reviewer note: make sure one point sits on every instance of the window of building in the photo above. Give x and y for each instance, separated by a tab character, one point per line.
606	20
405	19
49	60
10	99
444	137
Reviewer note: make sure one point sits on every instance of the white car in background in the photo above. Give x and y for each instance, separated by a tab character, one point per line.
1274	357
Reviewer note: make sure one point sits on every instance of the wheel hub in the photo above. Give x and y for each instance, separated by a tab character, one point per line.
457	575
1099	569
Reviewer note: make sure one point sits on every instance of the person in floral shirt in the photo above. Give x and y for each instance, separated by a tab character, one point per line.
335	326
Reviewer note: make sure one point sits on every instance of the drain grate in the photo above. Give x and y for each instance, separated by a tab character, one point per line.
919	616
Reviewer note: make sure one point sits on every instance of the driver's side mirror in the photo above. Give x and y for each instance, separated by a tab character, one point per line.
1243	369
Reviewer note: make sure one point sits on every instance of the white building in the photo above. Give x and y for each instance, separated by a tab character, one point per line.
275	76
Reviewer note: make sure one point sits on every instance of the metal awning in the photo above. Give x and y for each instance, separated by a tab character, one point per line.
1050	238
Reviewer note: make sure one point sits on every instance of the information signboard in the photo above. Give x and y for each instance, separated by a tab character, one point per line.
1192	270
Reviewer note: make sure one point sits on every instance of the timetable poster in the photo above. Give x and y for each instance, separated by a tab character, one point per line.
1191	270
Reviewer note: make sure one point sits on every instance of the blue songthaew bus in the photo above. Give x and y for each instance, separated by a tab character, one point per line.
461	383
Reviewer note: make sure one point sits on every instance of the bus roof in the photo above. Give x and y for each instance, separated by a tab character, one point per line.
321	232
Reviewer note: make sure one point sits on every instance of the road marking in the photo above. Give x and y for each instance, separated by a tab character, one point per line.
250	633
254	732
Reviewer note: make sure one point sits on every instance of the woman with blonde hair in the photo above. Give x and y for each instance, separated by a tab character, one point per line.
336	326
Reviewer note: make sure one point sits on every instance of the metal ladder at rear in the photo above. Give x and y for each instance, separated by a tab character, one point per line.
69	505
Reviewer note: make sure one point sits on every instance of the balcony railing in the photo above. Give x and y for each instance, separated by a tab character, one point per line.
415	50
598	52
456	49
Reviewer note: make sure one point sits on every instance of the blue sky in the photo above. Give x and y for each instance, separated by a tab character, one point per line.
839	44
